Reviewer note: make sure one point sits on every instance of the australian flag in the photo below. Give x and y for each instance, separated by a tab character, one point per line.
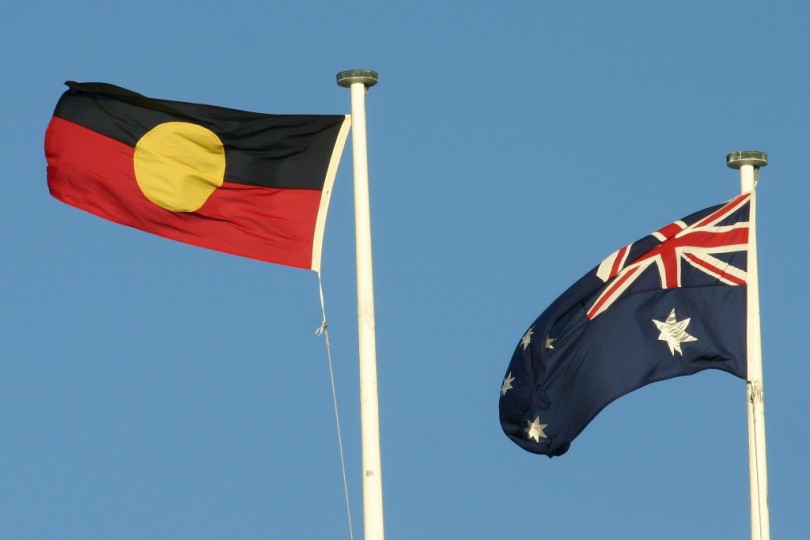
670	304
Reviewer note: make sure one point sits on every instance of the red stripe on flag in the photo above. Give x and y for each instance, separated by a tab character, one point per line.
609	293
670	230
714	269
723	212
617	262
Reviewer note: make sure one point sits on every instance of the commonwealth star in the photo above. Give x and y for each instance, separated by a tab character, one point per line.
674	332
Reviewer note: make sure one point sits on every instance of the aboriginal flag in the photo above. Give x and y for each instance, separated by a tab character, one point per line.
249	184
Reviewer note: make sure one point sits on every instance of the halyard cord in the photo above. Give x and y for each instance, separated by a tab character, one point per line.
325	331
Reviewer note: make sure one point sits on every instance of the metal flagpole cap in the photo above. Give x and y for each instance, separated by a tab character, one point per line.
735	160
365	76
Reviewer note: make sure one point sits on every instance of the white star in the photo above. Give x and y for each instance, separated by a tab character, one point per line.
674	332
535	430
525	340
550	343
507	384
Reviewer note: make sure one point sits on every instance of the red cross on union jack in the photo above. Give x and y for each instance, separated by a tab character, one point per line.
696	245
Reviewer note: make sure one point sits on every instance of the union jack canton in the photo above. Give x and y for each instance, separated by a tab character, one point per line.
697	244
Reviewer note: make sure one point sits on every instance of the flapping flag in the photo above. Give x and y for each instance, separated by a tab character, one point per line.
671	304
249	184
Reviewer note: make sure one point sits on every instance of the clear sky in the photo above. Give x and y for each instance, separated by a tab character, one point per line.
151	389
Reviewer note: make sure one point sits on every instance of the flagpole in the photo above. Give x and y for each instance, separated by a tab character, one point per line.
359	81
749	163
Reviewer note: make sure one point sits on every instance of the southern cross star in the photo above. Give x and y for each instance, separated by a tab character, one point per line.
507	384
535	430
527	339
674	332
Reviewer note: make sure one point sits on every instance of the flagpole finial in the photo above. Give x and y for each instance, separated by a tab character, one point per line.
735	160
365	76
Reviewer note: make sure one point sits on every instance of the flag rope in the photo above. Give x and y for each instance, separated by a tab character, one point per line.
324	330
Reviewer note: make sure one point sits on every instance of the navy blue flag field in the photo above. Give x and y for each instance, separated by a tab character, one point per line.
670	304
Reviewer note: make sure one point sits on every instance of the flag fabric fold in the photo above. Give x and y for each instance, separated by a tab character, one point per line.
671	304
249	184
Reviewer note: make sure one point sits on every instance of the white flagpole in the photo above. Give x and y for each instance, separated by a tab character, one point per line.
749	163
359	81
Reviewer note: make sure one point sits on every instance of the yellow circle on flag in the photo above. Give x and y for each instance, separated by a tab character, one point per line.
179	165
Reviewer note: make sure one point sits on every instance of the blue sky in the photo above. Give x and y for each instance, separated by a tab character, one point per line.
150	389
